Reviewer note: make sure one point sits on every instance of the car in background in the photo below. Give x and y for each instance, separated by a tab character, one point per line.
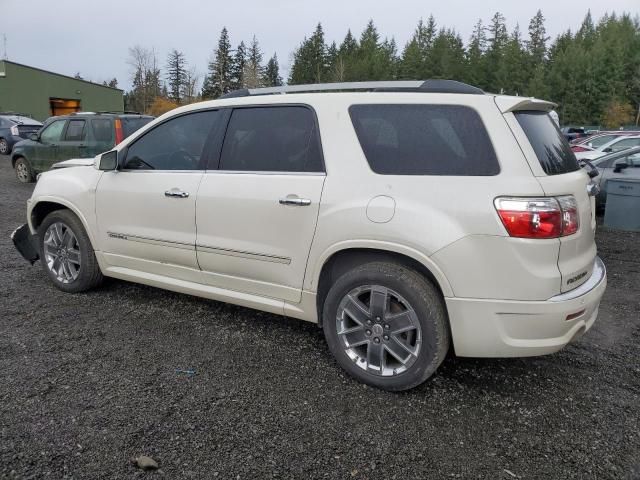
624	164
571	133
15	127
616	145
79	135
595	141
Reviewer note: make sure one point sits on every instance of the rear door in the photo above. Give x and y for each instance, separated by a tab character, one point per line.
73	143
556	168
257	211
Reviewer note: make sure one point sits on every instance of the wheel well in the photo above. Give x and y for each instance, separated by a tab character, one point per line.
41	210
14	158
345	260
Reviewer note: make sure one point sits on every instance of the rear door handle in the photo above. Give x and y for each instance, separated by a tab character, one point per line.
176	193
295	200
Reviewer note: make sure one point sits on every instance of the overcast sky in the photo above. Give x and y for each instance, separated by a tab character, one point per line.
92	37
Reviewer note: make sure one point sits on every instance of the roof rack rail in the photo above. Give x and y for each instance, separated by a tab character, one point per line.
421	86
120	112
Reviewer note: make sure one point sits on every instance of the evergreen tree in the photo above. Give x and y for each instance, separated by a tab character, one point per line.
340	70
373	60
238	67
537	43
271	77
253	70
219	81
511	76
447	56
497	41
475	71
176	75
536	48
309	60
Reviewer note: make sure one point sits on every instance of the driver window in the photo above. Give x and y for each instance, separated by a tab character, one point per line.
53	132
174	145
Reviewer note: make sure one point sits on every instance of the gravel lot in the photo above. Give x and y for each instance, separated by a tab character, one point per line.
89	381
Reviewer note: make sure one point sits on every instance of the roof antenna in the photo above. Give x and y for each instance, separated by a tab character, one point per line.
4	40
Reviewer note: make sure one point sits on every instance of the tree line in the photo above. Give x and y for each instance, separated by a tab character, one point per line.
593	74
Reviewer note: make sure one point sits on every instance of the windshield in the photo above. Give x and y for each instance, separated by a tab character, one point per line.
552	149
20	120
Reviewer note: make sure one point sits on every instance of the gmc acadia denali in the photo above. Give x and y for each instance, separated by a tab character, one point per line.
405	218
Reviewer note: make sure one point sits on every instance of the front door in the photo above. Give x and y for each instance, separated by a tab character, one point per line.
44	152
146	209
257	212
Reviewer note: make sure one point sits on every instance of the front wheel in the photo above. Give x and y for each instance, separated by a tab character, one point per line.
66	253
386	325
24	172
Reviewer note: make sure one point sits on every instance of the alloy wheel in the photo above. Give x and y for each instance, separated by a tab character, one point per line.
22	172
4	147
379	330
62	252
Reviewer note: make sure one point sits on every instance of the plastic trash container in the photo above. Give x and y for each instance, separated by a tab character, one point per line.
622	210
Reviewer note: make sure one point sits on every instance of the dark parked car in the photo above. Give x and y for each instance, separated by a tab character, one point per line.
15	127
571	133
622	164
79	135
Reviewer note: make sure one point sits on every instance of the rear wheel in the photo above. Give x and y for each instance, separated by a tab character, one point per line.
386	325
24	172
4	147
66	253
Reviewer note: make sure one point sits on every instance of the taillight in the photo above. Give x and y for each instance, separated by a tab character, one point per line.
570	216
15	131
119	132
544	217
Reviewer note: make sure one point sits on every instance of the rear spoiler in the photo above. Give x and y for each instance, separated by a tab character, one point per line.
514	104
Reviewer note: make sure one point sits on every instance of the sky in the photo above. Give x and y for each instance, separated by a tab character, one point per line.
92	37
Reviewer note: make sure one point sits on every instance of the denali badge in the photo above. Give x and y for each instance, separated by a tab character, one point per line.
117	235
576	278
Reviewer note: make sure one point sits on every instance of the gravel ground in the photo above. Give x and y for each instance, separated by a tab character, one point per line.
89	381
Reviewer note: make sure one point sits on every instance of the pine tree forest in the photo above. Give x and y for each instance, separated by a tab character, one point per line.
593	74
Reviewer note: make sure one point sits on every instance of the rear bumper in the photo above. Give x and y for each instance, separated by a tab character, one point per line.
25	243
506	328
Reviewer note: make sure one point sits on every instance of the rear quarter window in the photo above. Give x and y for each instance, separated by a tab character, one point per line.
552	149
131	124
409	139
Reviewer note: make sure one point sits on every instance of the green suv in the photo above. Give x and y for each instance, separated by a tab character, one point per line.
79	135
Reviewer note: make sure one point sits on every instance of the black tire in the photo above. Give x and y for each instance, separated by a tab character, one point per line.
425	300
24	172
4	147
89	275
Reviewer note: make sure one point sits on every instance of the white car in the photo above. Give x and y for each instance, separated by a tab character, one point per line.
616	145
406	218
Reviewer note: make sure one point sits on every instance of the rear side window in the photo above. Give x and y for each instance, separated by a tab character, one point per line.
424	140
552	149
272	139
102	129
75	131
131	124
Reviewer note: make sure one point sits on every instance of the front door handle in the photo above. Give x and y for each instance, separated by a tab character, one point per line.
176	193
295	200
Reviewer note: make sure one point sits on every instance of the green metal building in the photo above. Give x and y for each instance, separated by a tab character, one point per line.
42	94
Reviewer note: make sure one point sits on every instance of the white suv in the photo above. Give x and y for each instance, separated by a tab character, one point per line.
404	217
